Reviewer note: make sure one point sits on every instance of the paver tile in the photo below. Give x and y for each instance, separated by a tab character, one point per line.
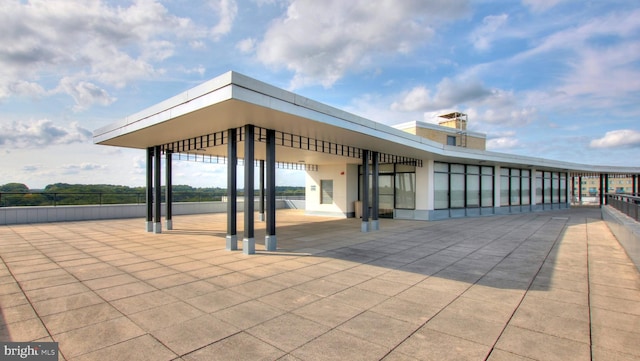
288	332
165	315
427	344
379	329
241	346
339	345
193	334
540	346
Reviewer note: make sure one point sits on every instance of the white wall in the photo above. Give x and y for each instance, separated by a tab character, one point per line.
345	190
22	215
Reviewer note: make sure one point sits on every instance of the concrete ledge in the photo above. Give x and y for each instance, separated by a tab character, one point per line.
626	230
25	215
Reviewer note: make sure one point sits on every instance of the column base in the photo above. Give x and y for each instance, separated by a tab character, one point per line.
249	246
149	226
232	242
364	227
261	217
157	227
169	225
374	225
271	243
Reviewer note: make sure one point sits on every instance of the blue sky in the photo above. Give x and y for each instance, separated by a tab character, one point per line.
557	79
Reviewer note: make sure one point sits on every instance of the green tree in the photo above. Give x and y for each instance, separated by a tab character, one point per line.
14	187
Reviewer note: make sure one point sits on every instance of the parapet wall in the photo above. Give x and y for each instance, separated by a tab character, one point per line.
626	230
24	215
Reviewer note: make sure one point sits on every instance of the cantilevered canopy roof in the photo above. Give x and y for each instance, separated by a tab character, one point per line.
233	100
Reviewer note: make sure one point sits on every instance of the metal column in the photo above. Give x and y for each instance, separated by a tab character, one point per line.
149	200
375	195
601	189
157	226
168	195
365	191
271	242
580	190
261	192
606	187
634	185
232	192
248	242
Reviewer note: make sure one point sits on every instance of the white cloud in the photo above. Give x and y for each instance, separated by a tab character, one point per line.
538	6
83	167
89	41
84	93
246	45
484	35
623	138
322	41
450	93
226	11
41	133
502	140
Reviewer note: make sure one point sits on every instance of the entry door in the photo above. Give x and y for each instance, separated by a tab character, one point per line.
385	182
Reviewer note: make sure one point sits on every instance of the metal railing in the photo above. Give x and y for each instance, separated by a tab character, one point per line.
625	203
26	199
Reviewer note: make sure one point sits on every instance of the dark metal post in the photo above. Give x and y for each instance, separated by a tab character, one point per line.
271	243
375	196
365	191
601	189
606	187
261	191
248	242
580	190
157	226
232	191
149	200
168	190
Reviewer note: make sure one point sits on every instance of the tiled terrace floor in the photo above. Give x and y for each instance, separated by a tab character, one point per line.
542	286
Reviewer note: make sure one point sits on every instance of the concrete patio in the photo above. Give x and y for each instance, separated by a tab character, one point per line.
541	286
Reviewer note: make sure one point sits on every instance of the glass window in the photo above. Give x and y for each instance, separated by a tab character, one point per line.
539	183
441	167
563	187
547	187
525	187
504	189
555	187
457	190
487	191
405	190
405	168
451	140
515	187
457	168
385	168
327	191
441	191
473	169
473	190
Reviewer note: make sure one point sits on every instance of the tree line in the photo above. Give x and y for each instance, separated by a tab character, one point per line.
18	194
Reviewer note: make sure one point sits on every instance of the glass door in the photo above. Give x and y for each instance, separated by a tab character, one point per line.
385	182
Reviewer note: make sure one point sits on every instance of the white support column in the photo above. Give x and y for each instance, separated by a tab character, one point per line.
425	196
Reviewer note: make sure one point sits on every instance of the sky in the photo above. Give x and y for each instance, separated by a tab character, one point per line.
556	79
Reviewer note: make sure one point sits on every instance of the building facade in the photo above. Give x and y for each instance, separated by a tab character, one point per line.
354	166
